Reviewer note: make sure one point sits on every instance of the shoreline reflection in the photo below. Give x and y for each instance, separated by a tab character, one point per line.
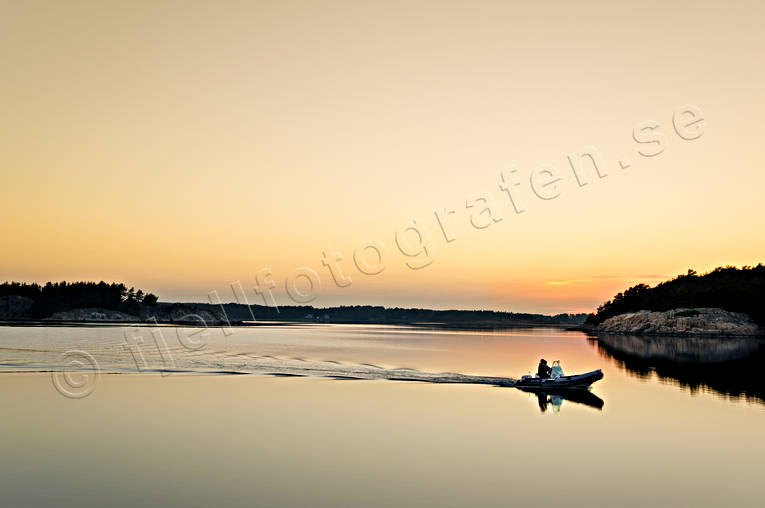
728	366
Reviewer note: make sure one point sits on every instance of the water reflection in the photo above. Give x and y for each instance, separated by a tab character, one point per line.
554	400
727	366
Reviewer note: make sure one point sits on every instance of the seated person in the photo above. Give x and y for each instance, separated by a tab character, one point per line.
543	370
557	370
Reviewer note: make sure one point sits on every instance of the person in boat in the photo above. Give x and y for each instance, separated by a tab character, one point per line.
557	370
543	370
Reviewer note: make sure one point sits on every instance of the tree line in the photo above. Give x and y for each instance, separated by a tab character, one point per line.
58	296
374	314
729	288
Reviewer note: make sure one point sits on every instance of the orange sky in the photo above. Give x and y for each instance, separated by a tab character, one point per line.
180	146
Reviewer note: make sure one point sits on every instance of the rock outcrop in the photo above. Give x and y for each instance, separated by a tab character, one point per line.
705	321
92	315
178	313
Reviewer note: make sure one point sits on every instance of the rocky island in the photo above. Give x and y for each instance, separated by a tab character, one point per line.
91	302
724	302
703	321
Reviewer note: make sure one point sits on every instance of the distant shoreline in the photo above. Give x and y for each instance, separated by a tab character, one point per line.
486	326
101	303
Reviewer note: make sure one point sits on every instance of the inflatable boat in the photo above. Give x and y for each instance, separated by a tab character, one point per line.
576	382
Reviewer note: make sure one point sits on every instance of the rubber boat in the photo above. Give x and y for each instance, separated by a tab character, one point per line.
576	382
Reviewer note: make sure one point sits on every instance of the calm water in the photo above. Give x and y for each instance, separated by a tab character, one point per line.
675	422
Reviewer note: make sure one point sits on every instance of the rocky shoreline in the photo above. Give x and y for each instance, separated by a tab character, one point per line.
16	309
702	321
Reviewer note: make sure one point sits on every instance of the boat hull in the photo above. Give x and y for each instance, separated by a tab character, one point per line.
577	382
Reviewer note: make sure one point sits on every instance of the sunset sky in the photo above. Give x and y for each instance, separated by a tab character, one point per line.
179	146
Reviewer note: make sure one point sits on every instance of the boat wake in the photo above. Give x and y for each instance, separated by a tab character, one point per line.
222	364
114	357
336	370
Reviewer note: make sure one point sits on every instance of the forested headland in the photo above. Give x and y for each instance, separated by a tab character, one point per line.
61	296
729	288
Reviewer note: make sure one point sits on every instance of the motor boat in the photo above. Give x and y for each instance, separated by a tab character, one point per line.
575	382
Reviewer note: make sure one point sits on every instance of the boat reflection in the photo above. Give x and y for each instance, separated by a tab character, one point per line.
726	366
555	399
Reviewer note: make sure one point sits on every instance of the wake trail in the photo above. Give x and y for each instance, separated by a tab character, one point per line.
336	370
226	364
